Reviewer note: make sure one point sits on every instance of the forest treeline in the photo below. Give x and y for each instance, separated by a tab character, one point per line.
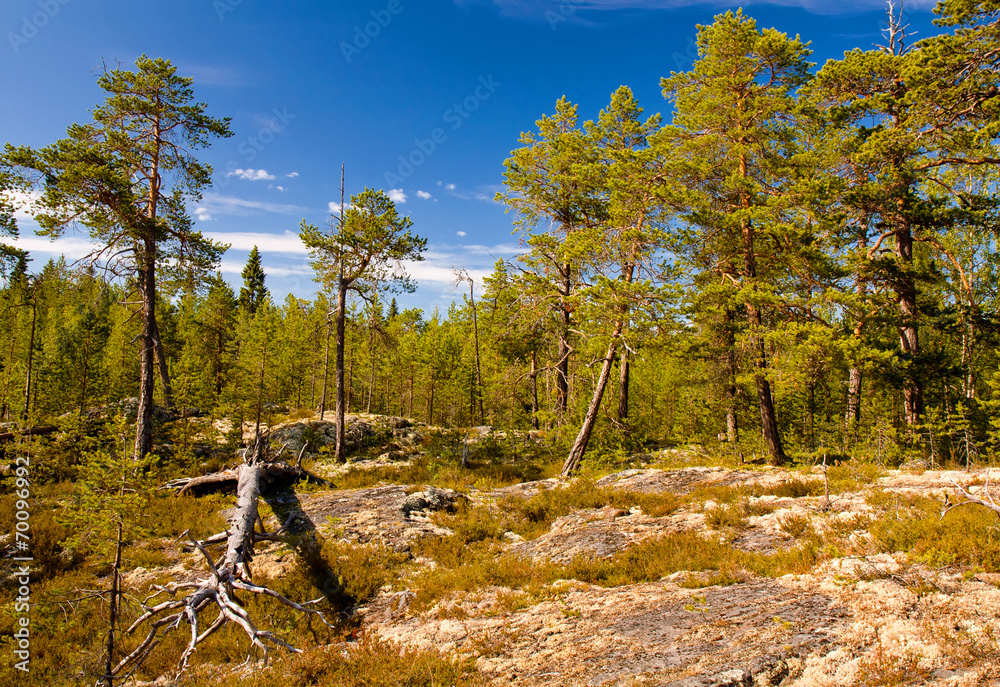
797	260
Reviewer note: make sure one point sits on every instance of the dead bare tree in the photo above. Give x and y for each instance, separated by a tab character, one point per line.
230	575
983	497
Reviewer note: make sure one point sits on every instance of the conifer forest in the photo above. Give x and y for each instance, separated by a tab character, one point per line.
790	278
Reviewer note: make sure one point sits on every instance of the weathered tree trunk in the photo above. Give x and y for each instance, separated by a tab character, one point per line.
161	366
230	576
147	291
31	356
768	419
623	383
478	394
533	376
326	369
628	275
562	365
575	457
113	610
340	409
909	333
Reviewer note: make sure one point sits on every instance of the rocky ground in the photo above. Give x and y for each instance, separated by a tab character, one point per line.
876	619
857	617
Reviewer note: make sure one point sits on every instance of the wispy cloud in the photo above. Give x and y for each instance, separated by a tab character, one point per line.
288	242
218	204
252	175
292	175
73	247
202	215
424	195
209	75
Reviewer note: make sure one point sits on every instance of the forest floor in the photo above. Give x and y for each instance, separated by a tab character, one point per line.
669	573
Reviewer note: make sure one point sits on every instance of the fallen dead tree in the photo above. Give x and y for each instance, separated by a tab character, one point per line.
29	432
230	576
275	475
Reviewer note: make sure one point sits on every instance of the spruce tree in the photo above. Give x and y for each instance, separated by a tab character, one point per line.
253	292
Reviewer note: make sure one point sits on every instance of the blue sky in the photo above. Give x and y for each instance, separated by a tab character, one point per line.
424	98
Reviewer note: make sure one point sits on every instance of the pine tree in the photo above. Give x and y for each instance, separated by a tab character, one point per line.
552	185
128	176
363	252
732	141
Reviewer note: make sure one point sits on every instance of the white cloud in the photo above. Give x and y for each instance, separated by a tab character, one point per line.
287	242
450	187
461	233
334	207
292	175
396	195
252	175
218	204
202	215
426	273
424	195
73	247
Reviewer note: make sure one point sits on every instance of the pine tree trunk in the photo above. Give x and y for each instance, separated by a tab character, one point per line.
31	356
732	391
341	343
479	367
765	400
575	457
533	376
326	365
109	661
161	366
768	419
623	381
852	419
144	414
909	333
562	366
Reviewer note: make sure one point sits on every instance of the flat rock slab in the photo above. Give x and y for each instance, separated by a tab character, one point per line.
658	631
596	532
390	516
687	480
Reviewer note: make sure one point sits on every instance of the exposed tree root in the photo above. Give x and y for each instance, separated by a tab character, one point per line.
229	575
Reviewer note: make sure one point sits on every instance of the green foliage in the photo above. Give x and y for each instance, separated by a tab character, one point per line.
965	536
372	661
253	292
